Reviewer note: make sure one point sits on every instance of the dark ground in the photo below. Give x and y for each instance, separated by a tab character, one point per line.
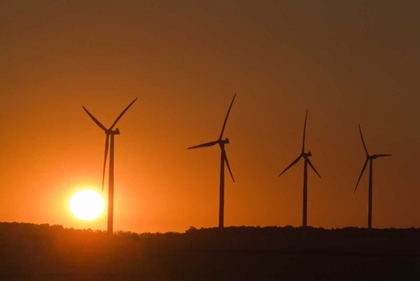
43	252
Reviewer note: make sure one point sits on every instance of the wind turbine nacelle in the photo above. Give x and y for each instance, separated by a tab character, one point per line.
226	140
309	153
111	132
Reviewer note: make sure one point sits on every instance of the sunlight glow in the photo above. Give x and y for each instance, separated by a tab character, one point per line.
87	204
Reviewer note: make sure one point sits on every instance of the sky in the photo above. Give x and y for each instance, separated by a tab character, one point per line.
347	62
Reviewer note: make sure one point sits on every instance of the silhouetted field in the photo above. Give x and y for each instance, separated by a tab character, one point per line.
43	252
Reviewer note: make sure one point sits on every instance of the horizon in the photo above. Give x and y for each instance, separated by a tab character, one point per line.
347	63
214	228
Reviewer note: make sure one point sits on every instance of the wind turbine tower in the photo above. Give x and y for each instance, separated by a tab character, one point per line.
369	159
109	145
307	161
223	159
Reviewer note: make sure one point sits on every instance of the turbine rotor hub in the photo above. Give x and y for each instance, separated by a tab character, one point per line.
113	132
306	154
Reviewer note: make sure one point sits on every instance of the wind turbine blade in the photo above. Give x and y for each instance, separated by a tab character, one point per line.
203	145
95	120
361	174
380	155
227	115
312	166
363	141
122	113
304	132
293	163
105	158
227	163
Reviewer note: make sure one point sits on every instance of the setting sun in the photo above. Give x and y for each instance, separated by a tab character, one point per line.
87	204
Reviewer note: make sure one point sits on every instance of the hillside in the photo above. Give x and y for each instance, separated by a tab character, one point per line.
44	252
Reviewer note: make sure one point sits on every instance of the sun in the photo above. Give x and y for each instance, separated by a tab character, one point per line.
87	204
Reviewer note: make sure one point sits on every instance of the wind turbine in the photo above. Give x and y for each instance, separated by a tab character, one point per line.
223	160
369	158
305	156
109	144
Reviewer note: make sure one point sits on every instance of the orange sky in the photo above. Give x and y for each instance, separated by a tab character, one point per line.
348	63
